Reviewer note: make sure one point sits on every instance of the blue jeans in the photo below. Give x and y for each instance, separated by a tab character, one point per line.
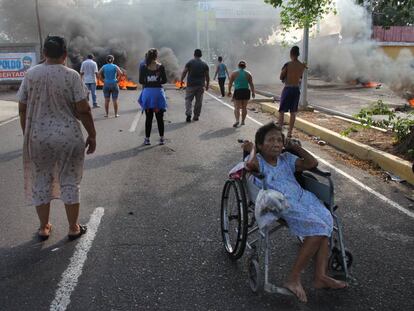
92	89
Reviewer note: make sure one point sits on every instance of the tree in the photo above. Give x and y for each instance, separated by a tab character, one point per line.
388	13
302	13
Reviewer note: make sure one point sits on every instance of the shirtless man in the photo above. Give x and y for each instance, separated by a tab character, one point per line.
291	76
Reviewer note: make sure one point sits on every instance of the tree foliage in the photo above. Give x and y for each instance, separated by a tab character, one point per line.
301	13
388	13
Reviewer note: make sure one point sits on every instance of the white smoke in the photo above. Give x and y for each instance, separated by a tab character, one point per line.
352	54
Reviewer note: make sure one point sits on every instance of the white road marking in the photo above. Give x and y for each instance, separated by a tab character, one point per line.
8	121
134	123
232	108
353	179
70	277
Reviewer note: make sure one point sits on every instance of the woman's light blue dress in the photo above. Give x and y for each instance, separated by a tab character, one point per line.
306	216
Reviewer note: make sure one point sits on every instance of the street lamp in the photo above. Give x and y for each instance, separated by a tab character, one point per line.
39	28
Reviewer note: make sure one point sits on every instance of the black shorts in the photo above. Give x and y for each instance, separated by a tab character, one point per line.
241	94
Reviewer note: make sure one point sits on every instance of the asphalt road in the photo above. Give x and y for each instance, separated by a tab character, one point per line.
158	244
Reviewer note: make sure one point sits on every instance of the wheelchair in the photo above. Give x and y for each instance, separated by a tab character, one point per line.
240	230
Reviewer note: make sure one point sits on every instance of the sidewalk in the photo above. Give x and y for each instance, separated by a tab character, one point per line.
8	110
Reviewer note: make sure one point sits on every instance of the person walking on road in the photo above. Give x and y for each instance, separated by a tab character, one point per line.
89	73
110	73
291	76
242	80
222	73
52	98
152	99
198	78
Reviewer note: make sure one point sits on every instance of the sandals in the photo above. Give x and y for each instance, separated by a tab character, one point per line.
82	231
44	237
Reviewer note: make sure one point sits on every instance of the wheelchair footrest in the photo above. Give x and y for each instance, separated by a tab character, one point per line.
272	289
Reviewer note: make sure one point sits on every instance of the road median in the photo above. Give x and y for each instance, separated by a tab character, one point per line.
386	161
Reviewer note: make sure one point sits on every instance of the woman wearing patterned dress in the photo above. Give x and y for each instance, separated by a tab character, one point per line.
52	97
306	216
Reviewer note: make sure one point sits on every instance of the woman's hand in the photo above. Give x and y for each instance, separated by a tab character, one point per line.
90	144
291	144
247	146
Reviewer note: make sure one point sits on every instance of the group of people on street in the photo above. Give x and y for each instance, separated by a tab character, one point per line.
153	100
53	145
109	73
53	98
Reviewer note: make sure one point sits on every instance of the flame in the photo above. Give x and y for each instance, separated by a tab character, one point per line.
99	84
371	84
123	83
180	85
411	102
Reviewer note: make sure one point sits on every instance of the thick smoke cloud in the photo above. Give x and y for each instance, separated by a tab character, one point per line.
349	53
342	49
128	32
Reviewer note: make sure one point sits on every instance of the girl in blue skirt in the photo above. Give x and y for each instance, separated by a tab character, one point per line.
152	98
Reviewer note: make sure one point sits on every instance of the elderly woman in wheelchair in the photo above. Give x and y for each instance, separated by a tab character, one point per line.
306	216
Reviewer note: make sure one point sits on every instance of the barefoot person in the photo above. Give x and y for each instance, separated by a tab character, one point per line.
291	76
52	98
306	216
242	80
110	73
152	99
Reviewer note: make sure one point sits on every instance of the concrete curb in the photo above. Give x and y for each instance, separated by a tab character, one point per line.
386	161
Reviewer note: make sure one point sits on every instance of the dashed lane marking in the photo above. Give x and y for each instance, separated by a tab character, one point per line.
353	179
135	122
71	275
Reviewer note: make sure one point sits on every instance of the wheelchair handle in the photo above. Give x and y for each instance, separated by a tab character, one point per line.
258	175
319	172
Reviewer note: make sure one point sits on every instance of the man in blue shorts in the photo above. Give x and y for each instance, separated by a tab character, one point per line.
110	73
291	76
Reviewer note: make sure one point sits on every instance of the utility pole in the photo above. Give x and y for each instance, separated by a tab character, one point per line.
304	101
39	28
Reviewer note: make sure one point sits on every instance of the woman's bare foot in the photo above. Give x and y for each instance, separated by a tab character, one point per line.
297	289
328	282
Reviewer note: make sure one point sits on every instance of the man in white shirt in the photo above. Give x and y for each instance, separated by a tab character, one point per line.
89	74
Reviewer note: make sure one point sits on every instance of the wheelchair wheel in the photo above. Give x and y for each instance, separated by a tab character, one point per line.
234	218
335	260
256	281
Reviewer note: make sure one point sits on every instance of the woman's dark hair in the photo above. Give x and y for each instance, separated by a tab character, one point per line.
110	59
262	132
54	46
220	59
242	64
151	55
294	51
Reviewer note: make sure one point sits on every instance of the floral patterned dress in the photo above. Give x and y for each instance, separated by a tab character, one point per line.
54	147
306	215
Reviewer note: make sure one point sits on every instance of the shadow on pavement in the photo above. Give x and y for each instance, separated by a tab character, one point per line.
11	155
106	159
218	133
